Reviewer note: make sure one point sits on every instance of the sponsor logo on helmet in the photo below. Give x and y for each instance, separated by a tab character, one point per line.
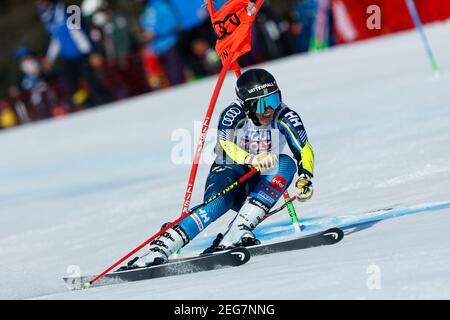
230	116
278	183
262	87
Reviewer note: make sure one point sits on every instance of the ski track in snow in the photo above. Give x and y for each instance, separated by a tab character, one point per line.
83	191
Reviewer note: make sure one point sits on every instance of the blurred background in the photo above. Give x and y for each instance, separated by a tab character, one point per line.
126	48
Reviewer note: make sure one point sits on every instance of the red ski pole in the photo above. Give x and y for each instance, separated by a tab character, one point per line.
226	190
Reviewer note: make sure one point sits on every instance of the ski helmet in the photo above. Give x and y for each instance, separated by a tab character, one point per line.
257	90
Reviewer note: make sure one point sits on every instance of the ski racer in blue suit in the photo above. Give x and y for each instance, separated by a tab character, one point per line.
253	132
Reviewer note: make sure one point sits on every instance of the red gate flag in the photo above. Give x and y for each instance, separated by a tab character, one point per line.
233	26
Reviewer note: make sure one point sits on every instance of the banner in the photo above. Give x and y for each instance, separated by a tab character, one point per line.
351	17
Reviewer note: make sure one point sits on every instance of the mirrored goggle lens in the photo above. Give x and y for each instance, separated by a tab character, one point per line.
260	105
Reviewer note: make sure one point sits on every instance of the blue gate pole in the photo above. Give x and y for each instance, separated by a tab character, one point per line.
415	16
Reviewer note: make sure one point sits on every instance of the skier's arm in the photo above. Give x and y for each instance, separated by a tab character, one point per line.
291	126
236	153
230	120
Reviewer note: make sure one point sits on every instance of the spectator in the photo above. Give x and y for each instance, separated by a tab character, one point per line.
42	98
160	32
155	73
31	69
306	12
17	101
270	38
124	65
77	55
8	118
288	23
194	32
206	56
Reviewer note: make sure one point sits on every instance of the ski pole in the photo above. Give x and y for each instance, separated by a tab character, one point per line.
220	194
291	211
275	211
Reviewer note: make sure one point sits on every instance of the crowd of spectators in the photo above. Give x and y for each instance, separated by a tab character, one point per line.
108	60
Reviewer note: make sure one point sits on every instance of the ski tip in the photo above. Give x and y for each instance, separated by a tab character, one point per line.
87	285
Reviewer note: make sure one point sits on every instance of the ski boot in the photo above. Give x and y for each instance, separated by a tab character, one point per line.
160	249
239	232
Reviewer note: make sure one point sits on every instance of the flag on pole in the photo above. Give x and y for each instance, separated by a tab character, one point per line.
233	26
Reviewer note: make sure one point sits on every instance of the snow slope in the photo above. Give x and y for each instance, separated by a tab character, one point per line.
85	190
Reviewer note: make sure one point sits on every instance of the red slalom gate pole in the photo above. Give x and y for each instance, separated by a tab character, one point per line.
232	186
205	127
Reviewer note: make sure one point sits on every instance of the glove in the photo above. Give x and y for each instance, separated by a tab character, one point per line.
263	161
305	188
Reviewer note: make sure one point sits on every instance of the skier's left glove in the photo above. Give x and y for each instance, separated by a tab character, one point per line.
305	188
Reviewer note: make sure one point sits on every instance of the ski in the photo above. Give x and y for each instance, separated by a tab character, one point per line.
328	237
231	258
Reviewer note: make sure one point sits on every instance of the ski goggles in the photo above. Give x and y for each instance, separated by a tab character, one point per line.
261	104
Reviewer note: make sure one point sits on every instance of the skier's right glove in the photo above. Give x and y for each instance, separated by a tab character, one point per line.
263	162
